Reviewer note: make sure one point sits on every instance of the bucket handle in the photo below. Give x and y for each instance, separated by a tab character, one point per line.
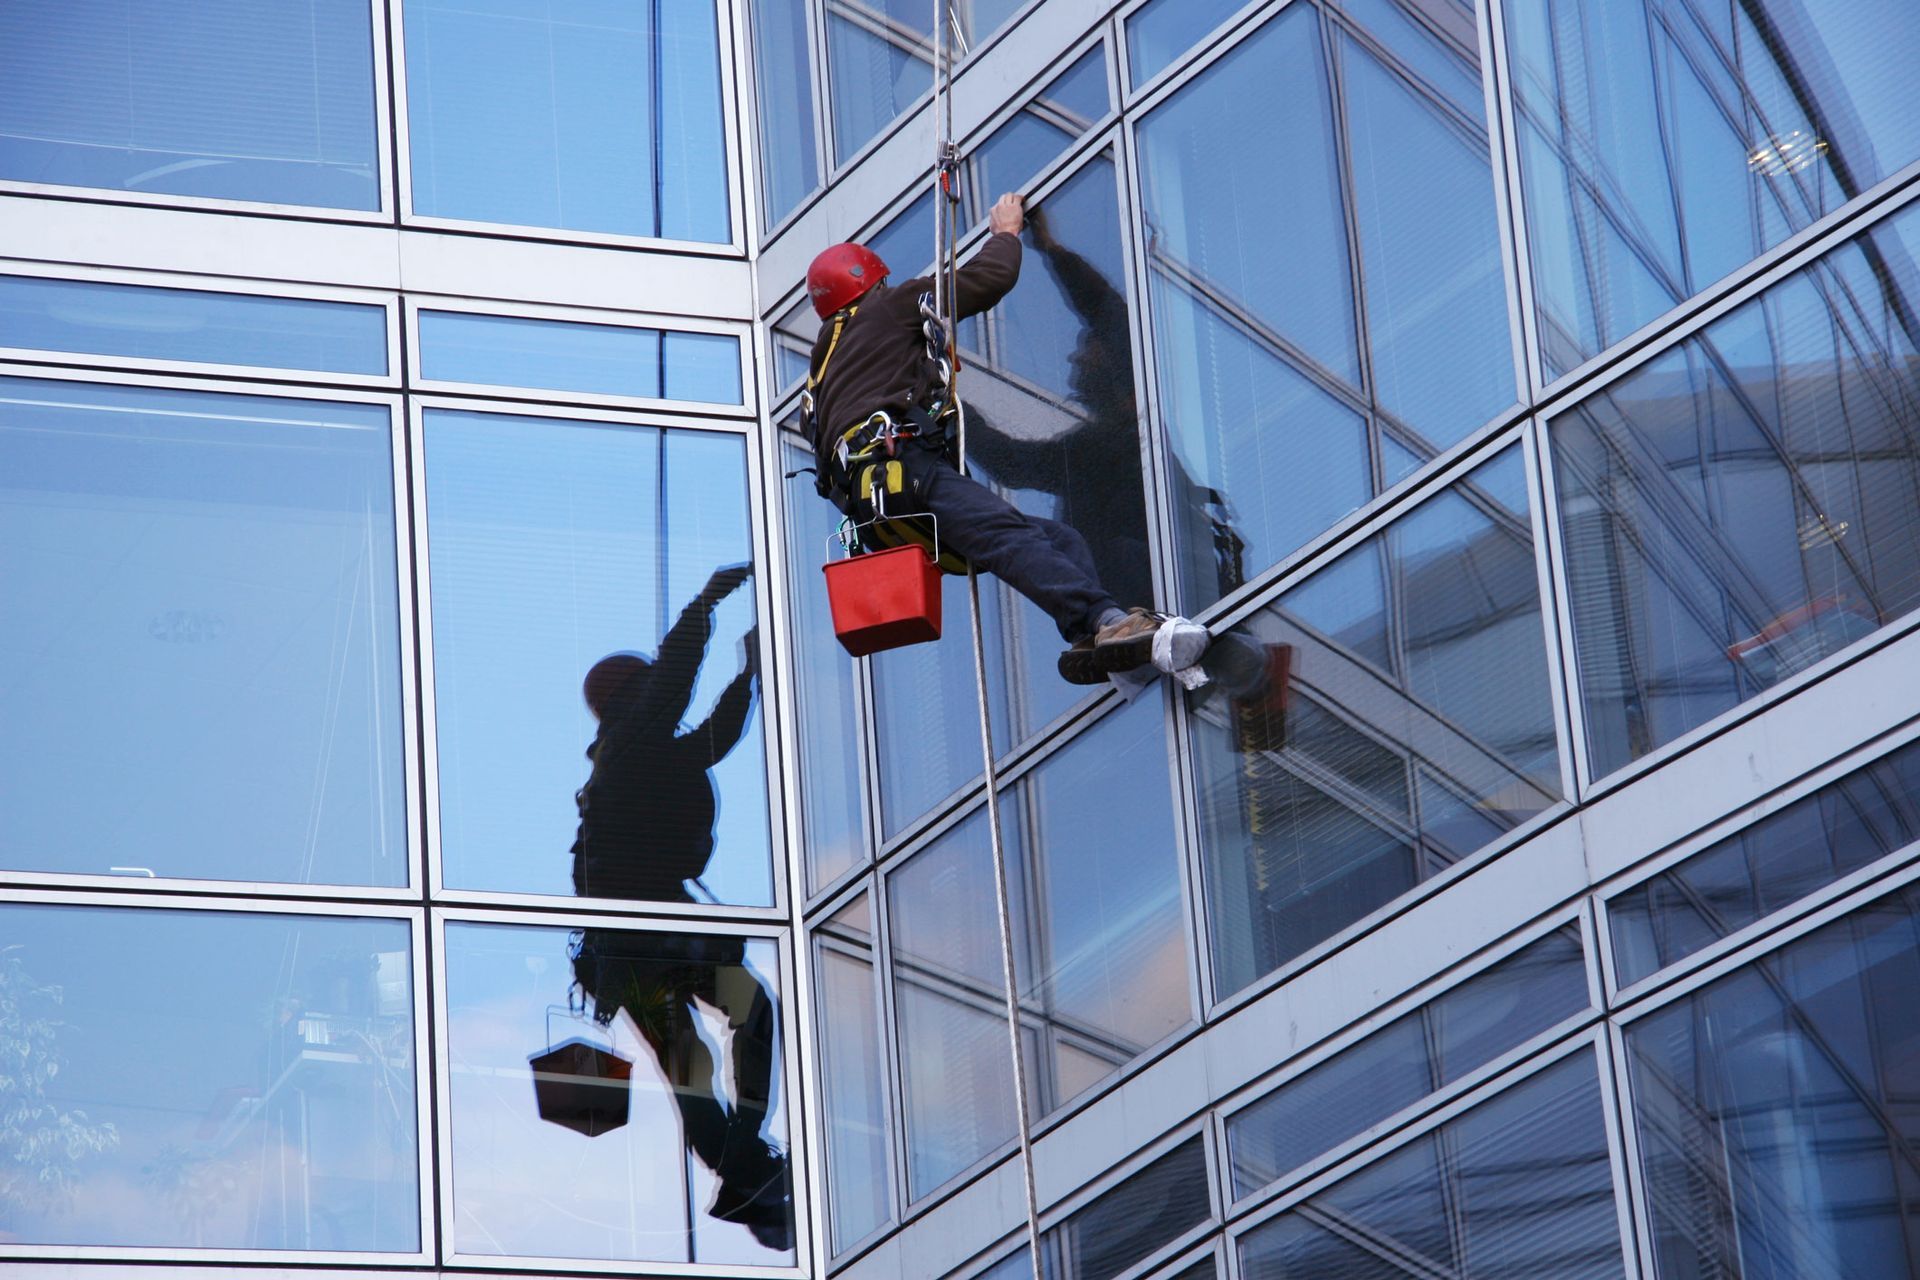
847	534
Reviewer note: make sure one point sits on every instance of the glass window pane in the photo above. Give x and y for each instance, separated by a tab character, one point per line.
1746	504
1665	143
1053	426
790	344
1015	153
1520	1186
556	545
224	99
601	359
1101	947
1419	652
1148	1211
881	55
1159	32
648	1126
208	1080
580	115
783	71
825	679
905	244
213	577
1775	862
1775	1108
91	317
859	1182
1408	1059
1288	405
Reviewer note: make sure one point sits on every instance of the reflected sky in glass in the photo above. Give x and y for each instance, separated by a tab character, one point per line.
1665	142
223	99
1101	953
216	1080
1744	505
1325	273
859	1193
783	70
1159	32
579	115
640	1190
600	359
1375	724
554	544
199	637
93	317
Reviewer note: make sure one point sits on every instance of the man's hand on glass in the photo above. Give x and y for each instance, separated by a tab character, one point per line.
1009	214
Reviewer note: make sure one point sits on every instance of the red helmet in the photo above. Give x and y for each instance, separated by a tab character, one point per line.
841	274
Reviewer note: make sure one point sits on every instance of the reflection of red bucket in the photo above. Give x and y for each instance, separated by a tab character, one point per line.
884	599
1260	714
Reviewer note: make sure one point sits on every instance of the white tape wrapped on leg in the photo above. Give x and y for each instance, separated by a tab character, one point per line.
1177	647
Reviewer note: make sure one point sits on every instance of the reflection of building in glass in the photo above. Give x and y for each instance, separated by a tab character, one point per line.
1526	393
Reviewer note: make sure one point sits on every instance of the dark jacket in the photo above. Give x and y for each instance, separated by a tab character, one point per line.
877	360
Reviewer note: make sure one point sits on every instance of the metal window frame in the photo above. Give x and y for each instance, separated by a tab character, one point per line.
639	321
1591	1043
730	915
412	727
419	997
384	164
736	244
1733	825
1226	32
173	281
1230	1107
790	1084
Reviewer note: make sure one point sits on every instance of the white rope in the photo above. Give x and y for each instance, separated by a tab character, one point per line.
947	308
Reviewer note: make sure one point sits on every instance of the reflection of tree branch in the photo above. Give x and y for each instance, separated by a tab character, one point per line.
41	1146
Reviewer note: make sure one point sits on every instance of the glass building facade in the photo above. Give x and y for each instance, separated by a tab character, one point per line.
504	870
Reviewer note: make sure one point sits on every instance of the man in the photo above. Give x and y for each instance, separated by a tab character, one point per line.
646	829
870	385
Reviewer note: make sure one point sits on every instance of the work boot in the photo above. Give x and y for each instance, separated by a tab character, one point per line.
1077	665
1127	643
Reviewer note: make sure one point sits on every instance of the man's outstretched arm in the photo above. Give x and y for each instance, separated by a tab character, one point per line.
991	273
685	644
722	730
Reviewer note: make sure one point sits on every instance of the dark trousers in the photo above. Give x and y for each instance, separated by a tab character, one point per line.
1044	560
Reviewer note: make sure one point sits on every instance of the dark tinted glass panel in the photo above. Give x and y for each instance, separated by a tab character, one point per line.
853	1076
783	69
1015	153
1289	403
226	99
1052	425
1148	1211
1776	1113
203	1080
648	1126
1666	142
1375	724
905	244
602	359
576	560
1746	504
1778	860
833	809
94	318
1407	1059
1159	32
1100	944
581	115
1520	1186
202	640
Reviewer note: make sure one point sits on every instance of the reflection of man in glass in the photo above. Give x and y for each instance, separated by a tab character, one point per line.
646	829
1094	468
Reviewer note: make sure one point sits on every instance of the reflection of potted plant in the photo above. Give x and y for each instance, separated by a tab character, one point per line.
41	1145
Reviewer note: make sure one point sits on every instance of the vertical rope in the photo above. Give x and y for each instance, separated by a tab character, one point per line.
945	278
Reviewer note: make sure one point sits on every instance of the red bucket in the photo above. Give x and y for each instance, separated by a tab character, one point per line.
884	599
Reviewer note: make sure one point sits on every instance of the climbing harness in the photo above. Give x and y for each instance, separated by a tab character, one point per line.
939	322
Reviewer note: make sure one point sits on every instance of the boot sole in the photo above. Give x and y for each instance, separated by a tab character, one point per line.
1077	666
1124	655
